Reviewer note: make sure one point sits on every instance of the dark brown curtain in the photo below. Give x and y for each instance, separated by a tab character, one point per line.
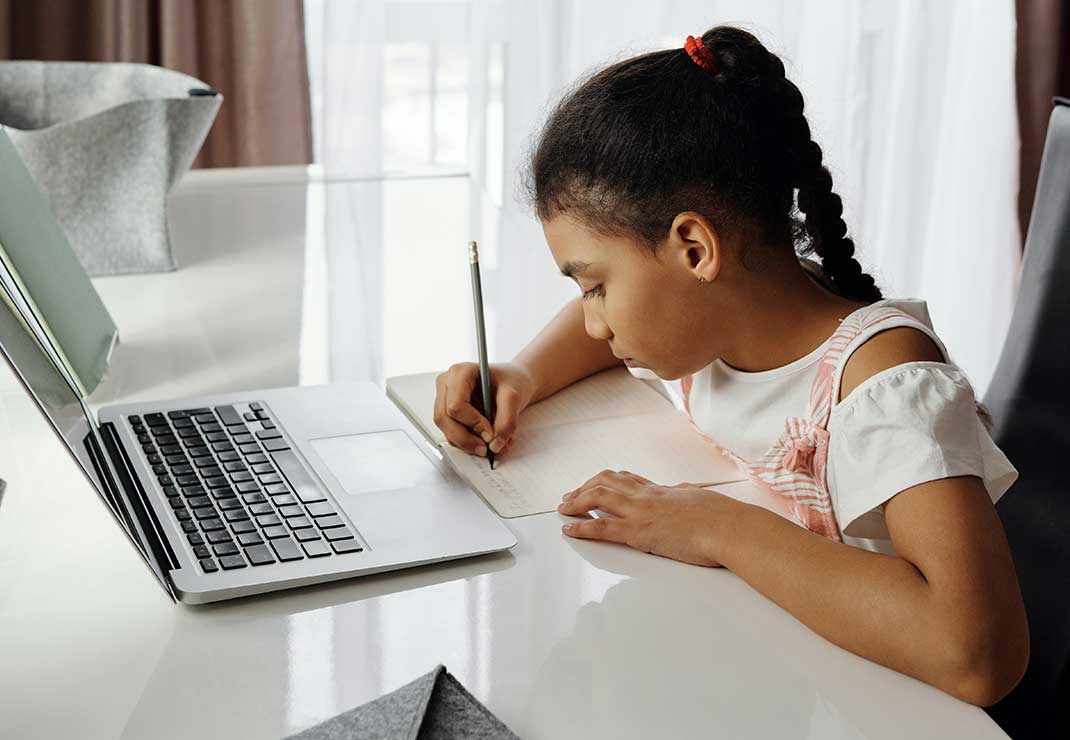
252	51
1042	71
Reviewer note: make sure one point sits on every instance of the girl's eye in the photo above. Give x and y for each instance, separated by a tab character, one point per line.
592	292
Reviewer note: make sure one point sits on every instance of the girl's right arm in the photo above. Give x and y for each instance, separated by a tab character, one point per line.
558	356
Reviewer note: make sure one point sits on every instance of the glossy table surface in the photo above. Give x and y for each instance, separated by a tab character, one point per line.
559	638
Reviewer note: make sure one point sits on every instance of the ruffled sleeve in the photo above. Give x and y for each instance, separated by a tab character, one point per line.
907	425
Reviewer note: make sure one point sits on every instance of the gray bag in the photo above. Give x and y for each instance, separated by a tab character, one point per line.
433	707
105	143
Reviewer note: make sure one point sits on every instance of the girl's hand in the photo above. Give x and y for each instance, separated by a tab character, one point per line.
459	406
677	522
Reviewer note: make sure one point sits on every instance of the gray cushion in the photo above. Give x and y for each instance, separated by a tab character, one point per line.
433	707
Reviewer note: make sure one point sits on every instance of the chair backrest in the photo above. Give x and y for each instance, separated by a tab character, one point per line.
1029	399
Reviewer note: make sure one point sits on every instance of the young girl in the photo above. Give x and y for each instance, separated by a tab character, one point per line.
680	189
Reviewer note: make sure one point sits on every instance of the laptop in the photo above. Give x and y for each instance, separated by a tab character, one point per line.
235	494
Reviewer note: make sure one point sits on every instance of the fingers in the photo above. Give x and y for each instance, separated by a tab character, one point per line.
457	433
610	530
505	418
601	497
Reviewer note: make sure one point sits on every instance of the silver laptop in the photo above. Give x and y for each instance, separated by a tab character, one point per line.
236	494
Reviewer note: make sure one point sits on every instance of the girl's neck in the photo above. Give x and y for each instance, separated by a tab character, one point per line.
793	317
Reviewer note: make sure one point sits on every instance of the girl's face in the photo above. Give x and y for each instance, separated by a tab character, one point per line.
646	307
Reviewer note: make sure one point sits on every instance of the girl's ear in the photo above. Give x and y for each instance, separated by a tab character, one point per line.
694	241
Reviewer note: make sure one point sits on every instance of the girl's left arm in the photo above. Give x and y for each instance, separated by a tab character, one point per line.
946	609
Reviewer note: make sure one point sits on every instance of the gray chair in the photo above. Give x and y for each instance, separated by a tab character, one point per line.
1029	399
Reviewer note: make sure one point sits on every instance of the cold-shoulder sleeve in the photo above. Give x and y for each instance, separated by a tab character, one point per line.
907	425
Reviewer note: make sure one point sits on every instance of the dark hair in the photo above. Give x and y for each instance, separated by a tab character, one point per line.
655	135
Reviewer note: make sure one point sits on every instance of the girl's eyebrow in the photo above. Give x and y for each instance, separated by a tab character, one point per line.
572	268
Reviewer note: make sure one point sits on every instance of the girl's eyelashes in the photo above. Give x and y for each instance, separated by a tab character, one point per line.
592	292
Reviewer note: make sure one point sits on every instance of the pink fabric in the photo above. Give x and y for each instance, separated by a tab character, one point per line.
795	467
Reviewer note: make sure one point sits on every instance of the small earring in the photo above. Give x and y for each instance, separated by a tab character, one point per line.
701	279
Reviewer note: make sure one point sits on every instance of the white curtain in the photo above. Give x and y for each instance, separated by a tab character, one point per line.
912	102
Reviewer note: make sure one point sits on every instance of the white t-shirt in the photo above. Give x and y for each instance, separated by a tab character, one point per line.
906	425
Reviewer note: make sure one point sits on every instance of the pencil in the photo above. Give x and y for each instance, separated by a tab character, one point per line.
481	341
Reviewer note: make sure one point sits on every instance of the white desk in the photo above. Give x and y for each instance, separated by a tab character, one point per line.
559	638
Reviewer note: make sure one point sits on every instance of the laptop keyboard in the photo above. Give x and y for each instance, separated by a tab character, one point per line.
237	490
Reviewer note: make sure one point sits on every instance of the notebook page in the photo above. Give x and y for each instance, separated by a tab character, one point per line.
608	394
544	463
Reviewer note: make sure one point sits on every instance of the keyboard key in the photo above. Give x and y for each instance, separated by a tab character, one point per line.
188	480
156	419
170	491
256	406
256	459
241	476
200	452
262	415
197	490
205	513
268	434
143	439
182	470
275	445
189	527
260	509
191	442
208	565
230	562
228	415
196	502
195	538
218	536
249	449
284	500
216	482
177	503
229	456
134	419
180	422
165	480
227	548
316	548
212	428
216	437
267	424
179	459
275	532
250	538
306	535
289	511
183	516
320	509
247	487
329	522
160	469
209	525
341	533
249	416
259	555
277	489
222	492
243	439
202	551
286	549
344	546
254	498
177	414
167	439
228	504
270	478
243	527
263	469
222	447
236	515
188	432
299	522
204	418
268	520
148	449
237	466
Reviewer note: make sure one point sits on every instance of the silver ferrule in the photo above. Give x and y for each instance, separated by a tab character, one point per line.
473	253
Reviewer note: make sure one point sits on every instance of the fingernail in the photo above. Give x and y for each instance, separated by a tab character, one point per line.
496	445
481	451
487	437
566	528
569	496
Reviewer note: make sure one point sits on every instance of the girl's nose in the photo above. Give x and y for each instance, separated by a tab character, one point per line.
596	327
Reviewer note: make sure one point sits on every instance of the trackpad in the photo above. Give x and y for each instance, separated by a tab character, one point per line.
377	461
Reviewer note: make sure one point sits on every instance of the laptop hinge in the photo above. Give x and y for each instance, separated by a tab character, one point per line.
135	494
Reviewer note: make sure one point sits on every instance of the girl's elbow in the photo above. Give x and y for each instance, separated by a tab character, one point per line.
985	670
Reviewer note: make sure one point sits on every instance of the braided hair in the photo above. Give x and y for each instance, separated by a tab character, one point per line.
647	138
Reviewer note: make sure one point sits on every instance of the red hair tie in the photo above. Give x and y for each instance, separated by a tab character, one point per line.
699	53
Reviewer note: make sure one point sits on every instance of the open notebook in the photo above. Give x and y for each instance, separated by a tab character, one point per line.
610	420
